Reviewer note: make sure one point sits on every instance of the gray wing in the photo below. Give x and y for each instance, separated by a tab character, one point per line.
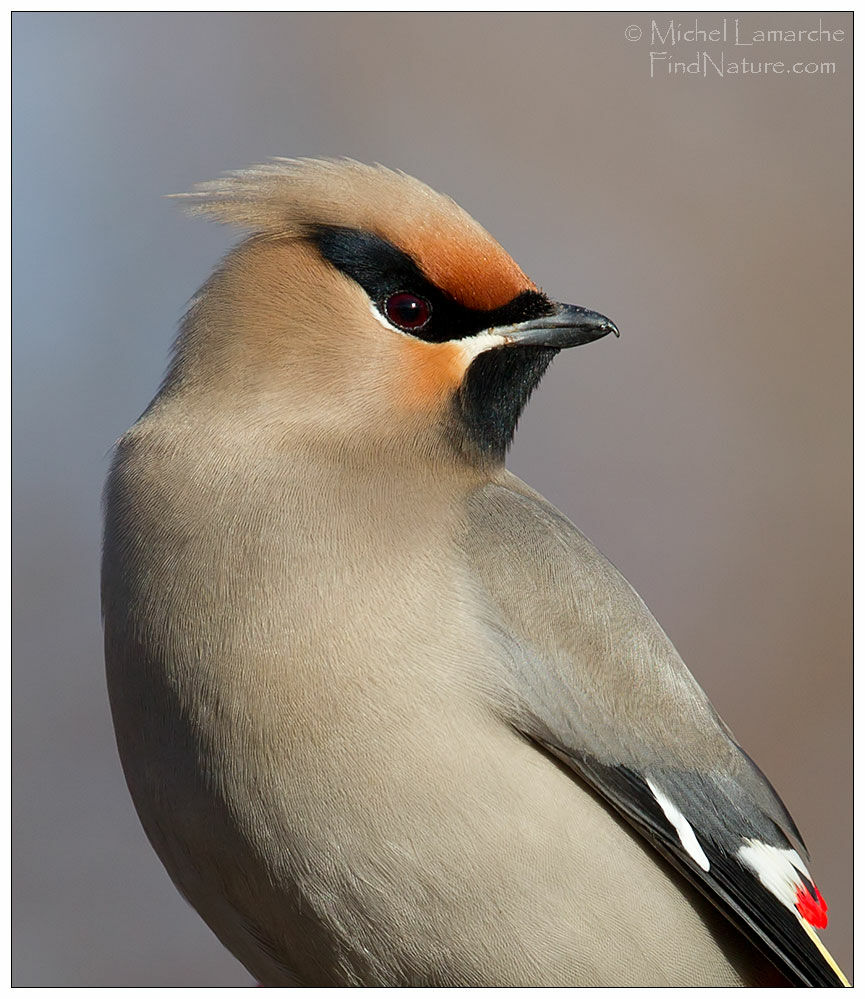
592	678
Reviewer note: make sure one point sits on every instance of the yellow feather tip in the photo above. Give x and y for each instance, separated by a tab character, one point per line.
818	943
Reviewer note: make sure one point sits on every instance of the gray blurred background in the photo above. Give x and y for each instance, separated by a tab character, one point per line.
707	452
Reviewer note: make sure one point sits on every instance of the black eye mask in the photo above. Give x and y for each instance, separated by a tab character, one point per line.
383	270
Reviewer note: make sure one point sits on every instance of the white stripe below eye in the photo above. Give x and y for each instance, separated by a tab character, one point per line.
473	345
780	871
373	308
681	825
470	346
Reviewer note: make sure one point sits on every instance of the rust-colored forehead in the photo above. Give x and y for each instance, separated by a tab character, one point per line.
453	250
470	266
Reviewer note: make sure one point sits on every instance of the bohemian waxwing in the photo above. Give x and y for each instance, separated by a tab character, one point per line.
387	717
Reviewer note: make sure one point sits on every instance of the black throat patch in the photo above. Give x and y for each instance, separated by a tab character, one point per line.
494	393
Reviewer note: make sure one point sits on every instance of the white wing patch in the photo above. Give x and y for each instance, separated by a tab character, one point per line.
682	826
779	871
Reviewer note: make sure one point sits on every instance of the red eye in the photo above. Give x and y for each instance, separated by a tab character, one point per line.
407	311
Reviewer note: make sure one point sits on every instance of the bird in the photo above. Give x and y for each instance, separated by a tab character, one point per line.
386	716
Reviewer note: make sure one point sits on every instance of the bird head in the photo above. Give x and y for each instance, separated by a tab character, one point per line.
367	307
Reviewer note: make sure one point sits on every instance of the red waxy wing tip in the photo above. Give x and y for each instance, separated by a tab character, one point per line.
812	906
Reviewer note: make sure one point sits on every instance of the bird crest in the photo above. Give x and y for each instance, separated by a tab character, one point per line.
292	197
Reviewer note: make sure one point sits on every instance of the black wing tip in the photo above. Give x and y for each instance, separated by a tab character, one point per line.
774	929
778	932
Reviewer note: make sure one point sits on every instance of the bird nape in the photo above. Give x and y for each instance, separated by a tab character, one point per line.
388	718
